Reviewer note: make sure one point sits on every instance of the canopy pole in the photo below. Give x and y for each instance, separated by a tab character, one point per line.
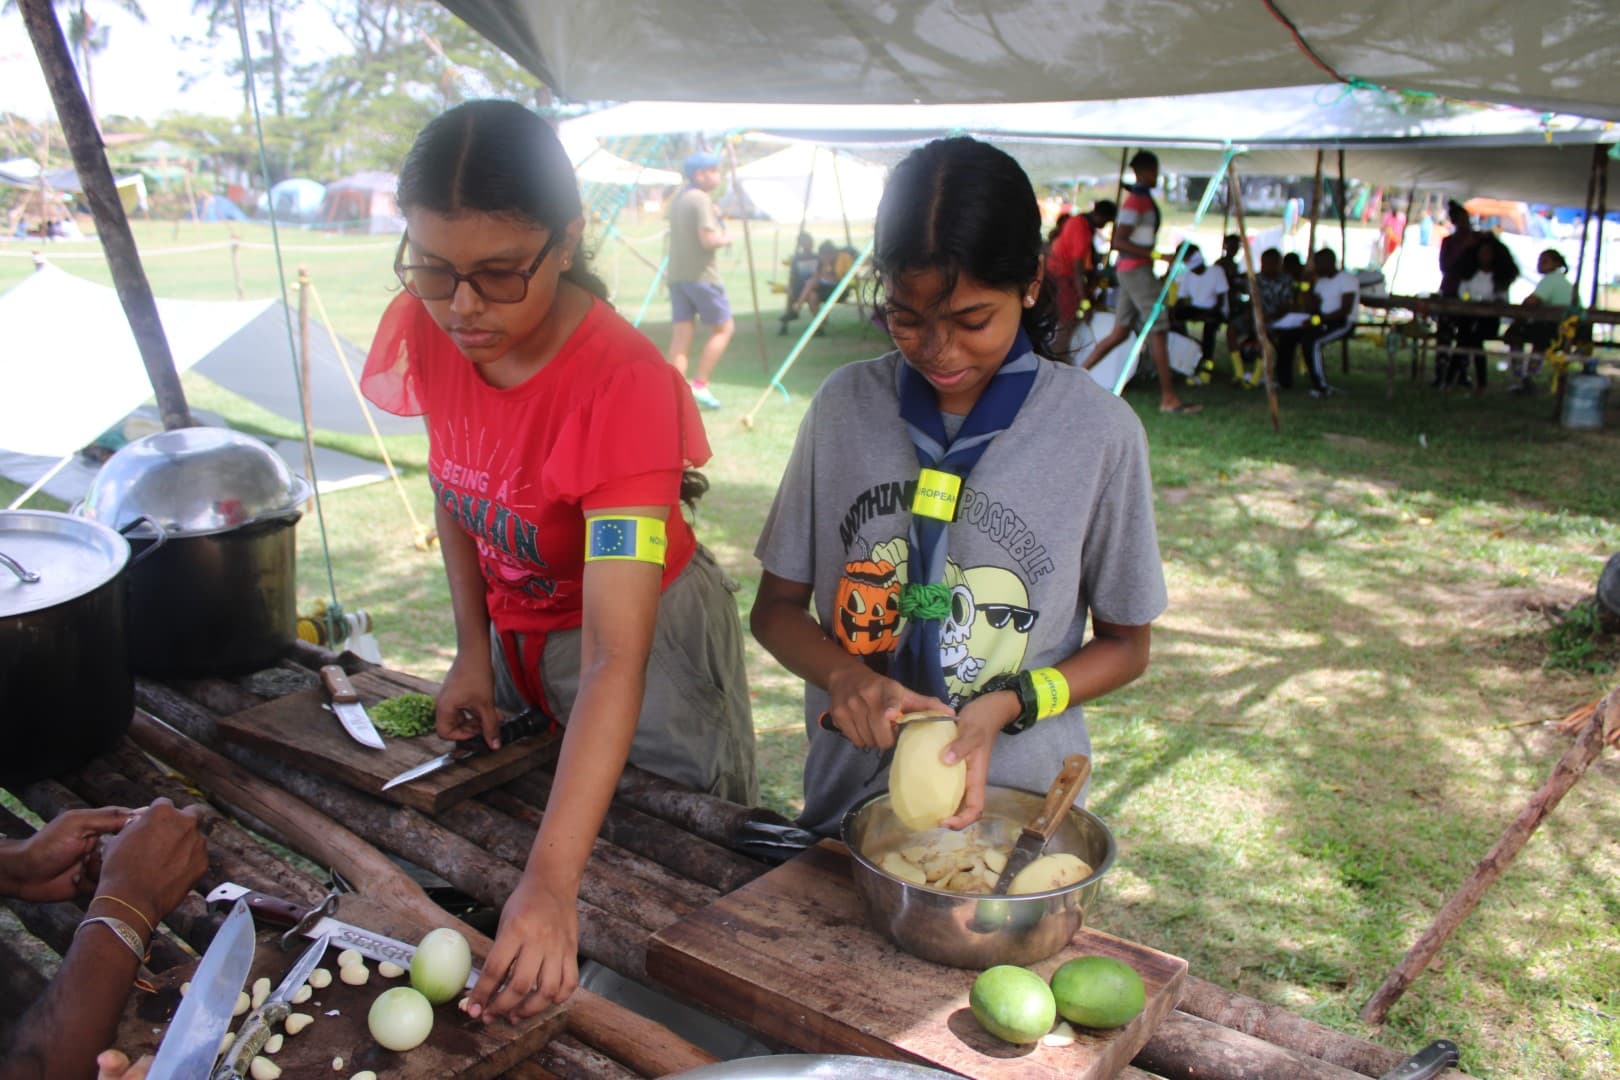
1597	248
1344	260
1389	283
804	215
112	227
838	185
747	419
748	246
1586	219
646	301
45	478
1316	209
1234	187
1119	188
305	397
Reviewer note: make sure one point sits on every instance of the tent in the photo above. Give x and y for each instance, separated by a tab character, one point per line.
364	203
840	185
295	200
595	164
62	394
1557	56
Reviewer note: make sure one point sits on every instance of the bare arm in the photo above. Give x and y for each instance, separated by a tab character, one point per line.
466	702
863	704
538	939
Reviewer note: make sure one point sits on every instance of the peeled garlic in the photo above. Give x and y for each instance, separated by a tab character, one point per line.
298	1022
367	1075
337	1064
261	990
355	974
272	1045
303	994
1061	1035
347	957
185	988
390	970
262	1068
243	1004
225	1041
320	978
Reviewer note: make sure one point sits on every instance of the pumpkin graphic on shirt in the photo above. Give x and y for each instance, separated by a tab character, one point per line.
866	605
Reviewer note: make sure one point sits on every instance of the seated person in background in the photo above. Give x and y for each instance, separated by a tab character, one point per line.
801	269
1552	291
1485	272
153	858
1332	303
818	288
1203	298
1276	294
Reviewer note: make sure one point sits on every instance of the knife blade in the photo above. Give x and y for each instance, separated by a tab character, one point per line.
1033	839
1432	1060
367	943
350	712
191	1044
531	721
255	1029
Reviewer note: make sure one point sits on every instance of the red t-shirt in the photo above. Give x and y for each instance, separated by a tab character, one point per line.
1139	218
1073	248
606	422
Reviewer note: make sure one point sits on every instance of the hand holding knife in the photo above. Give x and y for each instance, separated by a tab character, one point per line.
531	721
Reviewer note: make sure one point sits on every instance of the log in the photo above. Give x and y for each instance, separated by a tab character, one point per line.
714	819
1604	721
1278	1026
689	856
569	1059
21	984
1187	1048
528	1070
645	1045
615	880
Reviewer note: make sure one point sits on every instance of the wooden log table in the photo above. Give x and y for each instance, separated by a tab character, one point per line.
661	858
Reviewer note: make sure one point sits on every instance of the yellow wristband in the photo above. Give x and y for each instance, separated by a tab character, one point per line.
938	495
1051	692
633	539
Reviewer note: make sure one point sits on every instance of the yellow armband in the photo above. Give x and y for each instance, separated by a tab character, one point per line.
637	539
1051	692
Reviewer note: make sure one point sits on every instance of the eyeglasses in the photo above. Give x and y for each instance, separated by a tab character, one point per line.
427	282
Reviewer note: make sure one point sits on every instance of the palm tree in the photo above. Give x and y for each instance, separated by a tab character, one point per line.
87	36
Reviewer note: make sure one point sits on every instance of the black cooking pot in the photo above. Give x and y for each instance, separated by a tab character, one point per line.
221	598
66	690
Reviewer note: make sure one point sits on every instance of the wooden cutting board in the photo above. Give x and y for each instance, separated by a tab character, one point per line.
791	955
299	730
458	1047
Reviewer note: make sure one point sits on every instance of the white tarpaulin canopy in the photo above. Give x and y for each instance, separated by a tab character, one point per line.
71	369
839	185
595	164
1388	140
1557	55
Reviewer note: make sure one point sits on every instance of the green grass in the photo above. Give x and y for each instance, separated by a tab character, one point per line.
1339	717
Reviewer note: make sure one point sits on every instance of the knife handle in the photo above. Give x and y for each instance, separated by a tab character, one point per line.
338	685
273	909
531	721
1060	796
1432	1060
250	1039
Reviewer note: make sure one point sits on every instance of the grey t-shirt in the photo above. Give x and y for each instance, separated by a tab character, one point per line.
1056	524
691	213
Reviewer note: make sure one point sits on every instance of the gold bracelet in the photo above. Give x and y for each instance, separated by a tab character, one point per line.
126	933
150	929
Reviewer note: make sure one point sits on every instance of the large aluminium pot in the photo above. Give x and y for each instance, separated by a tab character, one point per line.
66	691
221	598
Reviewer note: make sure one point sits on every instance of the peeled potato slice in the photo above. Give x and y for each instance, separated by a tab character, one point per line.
899	866
1049	872
923	791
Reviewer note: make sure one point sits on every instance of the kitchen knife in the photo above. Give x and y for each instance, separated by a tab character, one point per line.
191	1044
1032	840
275	910
346	704
531	721
255	1029
1432	1060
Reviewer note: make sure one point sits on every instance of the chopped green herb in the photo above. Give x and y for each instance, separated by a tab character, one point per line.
404	717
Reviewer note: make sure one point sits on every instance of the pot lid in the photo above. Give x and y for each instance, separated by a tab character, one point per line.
69	556
194	481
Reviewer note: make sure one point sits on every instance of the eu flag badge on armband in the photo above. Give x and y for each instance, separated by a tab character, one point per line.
938	495
640	539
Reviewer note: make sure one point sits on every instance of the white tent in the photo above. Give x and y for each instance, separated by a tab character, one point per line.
1557	55
839	185
64	390
595	164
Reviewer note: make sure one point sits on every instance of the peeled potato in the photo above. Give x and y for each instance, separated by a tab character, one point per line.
923	791
902	868
1049	872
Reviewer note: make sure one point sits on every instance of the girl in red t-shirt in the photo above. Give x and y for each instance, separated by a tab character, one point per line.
560	449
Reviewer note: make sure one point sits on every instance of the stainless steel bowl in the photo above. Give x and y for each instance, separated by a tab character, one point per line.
976	931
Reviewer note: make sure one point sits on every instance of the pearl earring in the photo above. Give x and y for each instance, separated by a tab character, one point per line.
1029	301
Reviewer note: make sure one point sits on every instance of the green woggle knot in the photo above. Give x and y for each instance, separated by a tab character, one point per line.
925	601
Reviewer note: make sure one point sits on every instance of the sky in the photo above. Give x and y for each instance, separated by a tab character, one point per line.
140	73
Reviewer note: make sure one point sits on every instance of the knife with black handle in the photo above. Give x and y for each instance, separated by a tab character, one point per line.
1432	1060
531	721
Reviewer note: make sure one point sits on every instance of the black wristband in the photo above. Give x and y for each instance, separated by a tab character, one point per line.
1020	684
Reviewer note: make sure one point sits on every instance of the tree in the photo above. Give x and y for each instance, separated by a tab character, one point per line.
276	41
87	36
